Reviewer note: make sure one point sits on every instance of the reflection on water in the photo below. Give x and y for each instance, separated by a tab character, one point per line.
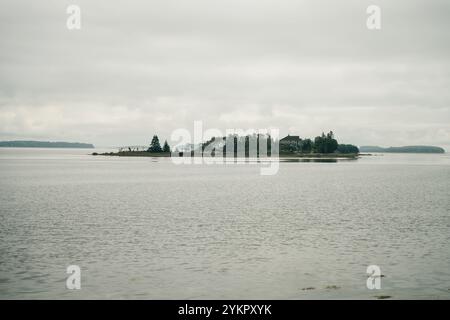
329	160
219	160
147	228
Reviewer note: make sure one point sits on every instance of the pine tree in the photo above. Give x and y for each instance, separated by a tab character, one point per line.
154	145
166	147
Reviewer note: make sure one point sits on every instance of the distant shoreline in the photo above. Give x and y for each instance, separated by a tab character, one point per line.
45	144
404	149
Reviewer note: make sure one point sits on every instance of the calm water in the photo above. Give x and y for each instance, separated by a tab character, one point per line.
145	228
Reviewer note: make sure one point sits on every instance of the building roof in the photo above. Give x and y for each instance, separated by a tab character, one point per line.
289	138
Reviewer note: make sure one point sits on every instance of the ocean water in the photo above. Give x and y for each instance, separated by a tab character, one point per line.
144	228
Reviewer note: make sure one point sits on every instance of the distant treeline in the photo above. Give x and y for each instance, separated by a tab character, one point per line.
44	144
325	143
252	144
405	149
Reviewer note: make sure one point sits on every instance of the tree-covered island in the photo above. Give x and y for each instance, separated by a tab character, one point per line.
322	146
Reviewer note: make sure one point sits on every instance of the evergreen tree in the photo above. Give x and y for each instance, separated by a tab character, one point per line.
325	143
154	145
332	143
306	146
166	147
319	144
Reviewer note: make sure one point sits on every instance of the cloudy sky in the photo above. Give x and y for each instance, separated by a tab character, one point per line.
142	67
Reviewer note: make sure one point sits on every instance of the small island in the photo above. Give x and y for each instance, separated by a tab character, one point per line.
405	149
45	144
323	146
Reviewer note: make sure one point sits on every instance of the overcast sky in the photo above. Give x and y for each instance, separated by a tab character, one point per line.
137	68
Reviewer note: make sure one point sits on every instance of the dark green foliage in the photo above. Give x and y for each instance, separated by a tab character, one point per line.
250	145
154	145
325	143
306	146
347	148
166	147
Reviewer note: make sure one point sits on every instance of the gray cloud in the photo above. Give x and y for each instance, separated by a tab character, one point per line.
143	67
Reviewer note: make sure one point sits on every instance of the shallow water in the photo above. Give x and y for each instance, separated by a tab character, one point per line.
145	228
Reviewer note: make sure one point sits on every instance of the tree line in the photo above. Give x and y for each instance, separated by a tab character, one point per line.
325	143
155	146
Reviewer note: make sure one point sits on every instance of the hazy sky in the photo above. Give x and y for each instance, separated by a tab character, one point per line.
142	67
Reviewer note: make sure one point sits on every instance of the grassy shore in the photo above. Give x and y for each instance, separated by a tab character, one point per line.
281	155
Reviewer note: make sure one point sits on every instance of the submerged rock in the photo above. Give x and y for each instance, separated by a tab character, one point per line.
383	297
309	288
332	287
